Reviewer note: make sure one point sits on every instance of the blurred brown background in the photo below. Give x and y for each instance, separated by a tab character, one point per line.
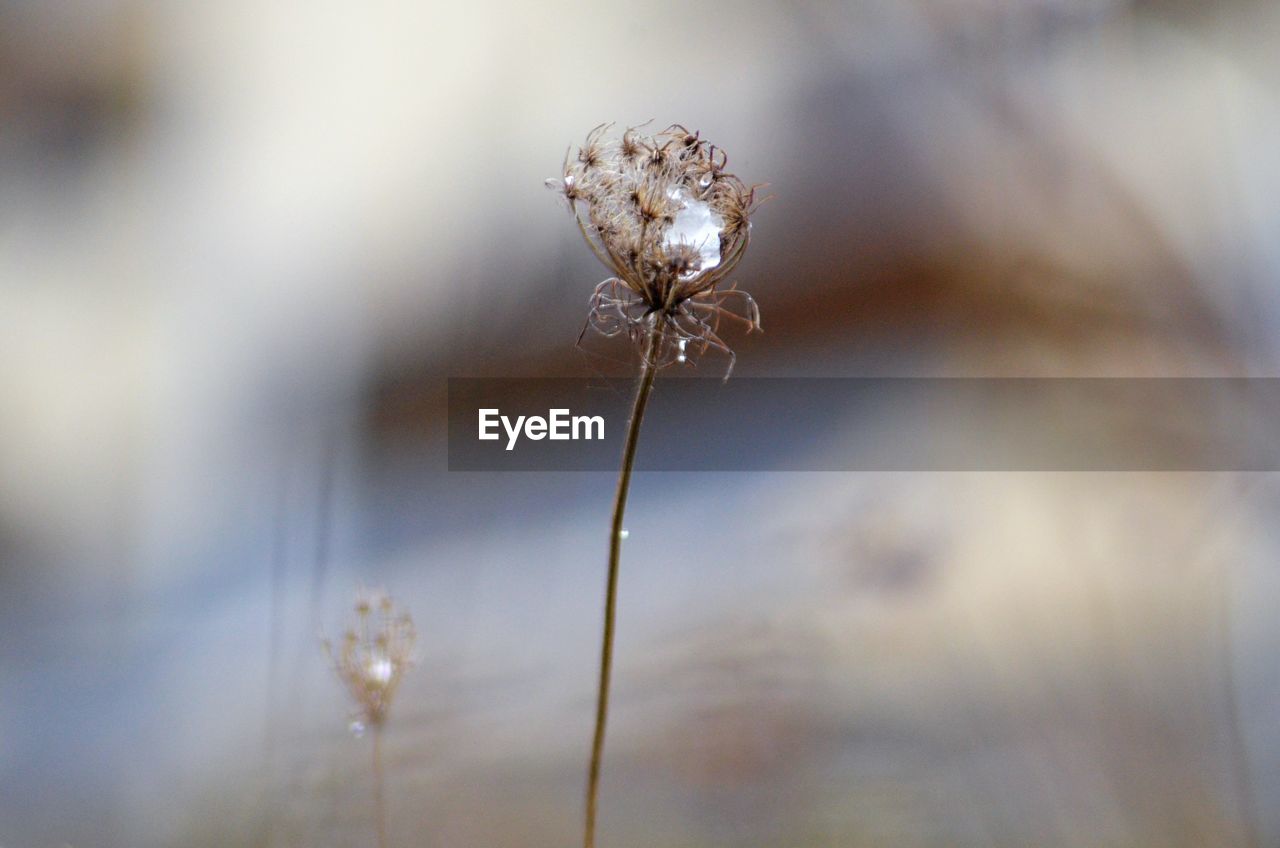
243	244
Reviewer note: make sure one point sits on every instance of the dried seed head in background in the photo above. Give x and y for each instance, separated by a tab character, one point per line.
671	224
373	656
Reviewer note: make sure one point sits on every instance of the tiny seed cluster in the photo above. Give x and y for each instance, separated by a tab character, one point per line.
374	655
626	194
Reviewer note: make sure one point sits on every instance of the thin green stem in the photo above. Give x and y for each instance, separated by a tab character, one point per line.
648	372
379	801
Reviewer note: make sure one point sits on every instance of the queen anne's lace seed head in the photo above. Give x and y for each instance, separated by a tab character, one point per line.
671	224
374	655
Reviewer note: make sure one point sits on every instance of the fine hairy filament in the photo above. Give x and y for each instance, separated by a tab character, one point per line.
649	370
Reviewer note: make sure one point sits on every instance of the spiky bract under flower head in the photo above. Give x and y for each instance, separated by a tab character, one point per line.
671	224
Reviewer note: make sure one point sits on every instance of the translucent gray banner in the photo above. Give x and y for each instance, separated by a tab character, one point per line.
871	424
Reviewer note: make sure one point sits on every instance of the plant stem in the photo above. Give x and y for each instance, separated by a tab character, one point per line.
1242	774
648	372
379	802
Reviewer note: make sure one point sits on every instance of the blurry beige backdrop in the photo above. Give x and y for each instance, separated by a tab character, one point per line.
243	244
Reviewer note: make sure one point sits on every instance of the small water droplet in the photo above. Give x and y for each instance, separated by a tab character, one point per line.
705	180
568	180
356	728
681	356
624	533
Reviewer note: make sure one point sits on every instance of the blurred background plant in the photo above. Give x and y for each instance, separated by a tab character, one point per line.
371	661
241	245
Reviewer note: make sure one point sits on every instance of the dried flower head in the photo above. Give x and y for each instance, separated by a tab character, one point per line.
374	655
671	224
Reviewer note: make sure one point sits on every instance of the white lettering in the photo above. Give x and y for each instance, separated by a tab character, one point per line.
587	421
486	421
559	425
513	433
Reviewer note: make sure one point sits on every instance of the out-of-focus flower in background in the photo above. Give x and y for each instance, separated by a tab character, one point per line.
372	657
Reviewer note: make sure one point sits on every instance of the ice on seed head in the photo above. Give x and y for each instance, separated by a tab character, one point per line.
379	670
697	226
